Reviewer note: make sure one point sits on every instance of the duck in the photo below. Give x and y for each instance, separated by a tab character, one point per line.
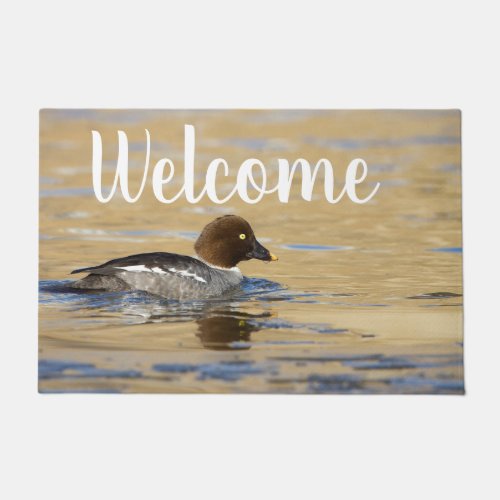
213	272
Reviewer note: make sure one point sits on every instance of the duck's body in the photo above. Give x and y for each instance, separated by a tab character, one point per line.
165	274
222	244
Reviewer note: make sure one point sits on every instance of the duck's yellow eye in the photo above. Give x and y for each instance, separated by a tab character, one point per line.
243	236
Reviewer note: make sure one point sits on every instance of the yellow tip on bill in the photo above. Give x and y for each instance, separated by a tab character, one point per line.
273	257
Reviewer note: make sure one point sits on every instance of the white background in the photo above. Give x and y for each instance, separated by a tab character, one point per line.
330	54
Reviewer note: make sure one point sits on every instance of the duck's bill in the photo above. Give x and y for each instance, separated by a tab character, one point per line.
261	253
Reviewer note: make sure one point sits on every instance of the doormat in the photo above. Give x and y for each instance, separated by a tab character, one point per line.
250	251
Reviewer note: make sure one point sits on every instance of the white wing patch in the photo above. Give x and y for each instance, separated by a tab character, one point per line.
187	274
159	270
136	269
143	269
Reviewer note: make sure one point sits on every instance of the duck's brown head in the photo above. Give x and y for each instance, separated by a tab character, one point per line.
228	240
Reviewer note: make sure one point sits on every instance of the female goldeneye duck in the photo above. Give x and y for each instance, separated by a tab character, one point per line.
222	244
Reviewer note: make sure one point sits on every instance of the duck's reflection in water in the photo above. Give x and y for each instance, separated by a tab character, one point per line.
221	323
221	329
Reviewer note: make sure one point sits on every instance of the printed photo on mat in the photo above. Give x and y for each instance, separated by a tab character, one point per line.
250	251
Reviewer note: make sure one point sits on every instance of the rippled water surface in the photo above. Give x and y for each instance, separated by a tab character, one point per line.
364	299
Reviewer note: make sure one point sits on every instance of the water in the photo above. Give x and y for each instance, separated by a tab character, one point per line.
282	347
364	299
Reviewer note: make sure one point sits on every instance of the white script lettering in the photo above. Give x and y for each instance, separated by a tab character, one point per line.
164	171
